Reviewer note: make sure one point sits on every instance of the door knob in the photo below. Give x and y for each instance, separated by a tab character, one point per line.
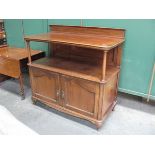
62	94
58	93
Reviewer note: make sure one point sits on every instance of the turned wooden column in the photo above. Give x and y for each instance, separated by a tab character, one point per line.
21	87
104	63
118	55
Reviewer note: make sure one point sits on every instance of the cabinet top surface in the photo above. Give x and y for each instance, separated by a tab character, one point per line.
16	53
100	38
75	68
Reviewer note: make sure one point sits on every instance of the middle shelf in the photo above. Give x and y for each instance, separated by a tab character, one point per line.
75	68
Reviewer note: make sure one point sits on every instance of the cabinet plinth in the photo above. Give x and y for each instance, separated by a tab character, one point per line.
81	77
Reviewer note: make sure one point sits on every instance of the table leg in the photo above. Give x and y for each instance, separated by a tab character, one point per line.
21	87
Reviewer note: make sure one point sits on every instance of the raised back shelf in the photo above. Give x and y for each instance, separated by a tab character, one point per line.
99	38
91	31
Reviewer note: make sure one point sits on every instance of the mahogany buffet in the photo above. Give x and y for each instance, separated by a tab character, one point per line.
80	77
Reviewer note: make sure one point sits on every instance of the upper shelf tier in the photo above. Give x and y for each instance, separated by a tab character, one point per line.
75	68
100	38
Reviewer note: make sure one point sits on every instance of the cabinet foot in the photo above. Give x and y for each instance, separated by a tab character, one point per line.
34	101
22	94
21	87
23	97
98	125
113	109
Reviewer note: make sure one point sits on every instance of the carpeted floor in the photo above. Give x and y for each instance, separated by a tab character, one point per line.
131	116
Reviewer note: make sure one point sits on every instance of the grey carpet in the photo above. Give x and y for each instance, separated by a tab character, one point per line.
131	116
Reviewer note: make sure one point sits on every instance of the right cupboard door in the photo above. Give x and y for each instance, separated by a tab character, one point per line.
80	95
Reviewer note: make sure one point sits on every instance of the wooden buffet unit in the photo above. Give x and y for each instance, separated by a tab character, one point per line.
80	77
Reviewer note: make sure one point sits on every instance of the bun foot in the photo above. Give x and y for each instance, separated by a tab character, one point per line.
98	125
22	95
113	109
34	101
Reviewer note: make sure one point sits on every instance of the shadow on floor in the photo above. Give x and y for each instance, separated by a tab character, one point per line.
136	102
81	121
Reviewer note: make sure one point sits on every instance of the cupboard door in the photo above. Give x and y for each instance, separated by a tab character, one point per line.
80	95
45	85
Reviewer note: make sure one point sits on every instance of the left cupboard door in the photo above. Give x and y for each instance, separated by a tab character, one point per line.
45	85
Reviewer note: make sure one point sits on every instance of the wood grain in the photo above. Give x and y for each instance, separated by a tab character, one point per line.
12	60
16	53
81	36
75	69
81	77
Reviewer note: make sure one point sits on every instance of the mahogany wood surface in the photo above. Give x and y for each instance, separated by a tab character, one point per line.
81	76
99	31
80	36
75	68
16	53
50	89
76	94
9	67
12	60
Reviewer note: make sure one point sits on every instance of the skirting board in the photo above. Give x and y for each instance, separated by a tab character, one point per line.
135	93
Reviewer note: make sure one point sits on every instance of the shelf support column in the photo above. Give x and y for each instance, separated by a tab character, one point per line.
29	51
104	63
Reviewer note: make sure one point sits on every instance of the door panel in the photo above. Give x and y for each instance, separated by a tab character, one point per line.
80	95
45	85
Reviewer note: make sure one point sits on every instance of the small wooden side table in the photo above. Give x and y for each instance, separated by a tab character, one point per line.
12	60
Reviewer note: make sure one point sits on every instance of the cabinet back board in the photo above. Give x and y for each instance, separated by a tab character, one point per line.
116	33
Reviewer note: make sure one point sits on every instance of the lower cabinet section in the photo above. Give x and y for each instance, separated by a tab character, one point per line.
75	96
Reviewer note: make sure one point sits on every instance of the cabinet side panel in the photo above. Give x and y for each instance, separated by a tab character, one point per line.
110	94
